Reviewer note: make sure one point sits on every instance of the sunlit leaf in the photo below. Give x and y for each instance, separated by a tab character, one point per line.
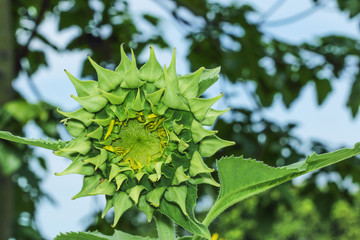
241	178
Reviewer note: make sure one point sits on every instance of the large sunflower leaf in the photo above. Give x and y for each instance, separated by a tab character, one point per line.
241	178
118	235
48	144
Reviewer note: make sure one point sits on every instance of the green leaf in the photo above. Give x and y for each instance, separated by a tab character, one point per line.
23	111
323	88
189	223
78	236
118	235
48	144
241	178
354	98
9	161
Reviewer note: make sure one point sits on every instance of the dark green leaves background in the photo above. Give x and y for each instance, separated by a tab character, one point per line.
306	210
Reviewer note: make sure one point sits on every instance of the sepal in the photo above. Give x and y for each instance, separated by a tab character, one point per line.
83	88
116	97
198	132
200	106
125	63
189	84
204	178
108	205
94	185
80	145
97	133
198	166
171	97
93	103
80	114
210	145
208	78
122	203
151	70
78	167
119	179
212	115
74	127
107	80
97	160
177	195
180	176
155	195
155	97
131	79
144	206
134	193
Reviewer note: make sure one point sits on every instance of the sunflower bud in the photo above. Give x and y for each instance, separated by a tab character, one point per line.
139	136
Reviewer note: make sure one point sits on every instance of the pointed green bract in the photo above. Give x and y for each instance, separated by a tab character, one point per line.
200	106
189	84
138	104
131	78
154	196
204	178
98	160
145	207
96	134
74	127
180	176
208	77
108	206
171	71
119	179
134	193
177	195
107	80
92	103
155	97
125	62
103	122
199	132
210	145
171	97
151	70
122	202
80	114
89	184
198	166
212	115
83	88
78	167
80	145
117	97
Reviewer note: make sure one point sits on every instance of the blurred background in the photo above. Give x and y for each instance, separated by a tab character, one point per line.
290	73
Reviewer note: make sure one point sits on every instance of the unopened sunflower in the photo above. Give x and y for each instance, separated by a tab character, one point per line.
139	137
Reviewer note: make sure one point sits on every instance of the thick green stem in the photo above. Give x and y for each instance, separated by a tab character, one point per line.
165	227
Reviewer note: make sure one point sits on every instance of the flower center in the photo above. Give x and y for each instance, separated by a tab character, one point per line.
139	141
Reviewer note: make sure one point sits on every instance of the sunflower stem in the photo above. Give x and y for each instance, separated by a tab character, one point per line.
165	227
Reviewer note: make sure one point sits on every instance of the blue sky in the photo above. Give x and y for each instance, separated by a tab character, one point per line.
330	123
